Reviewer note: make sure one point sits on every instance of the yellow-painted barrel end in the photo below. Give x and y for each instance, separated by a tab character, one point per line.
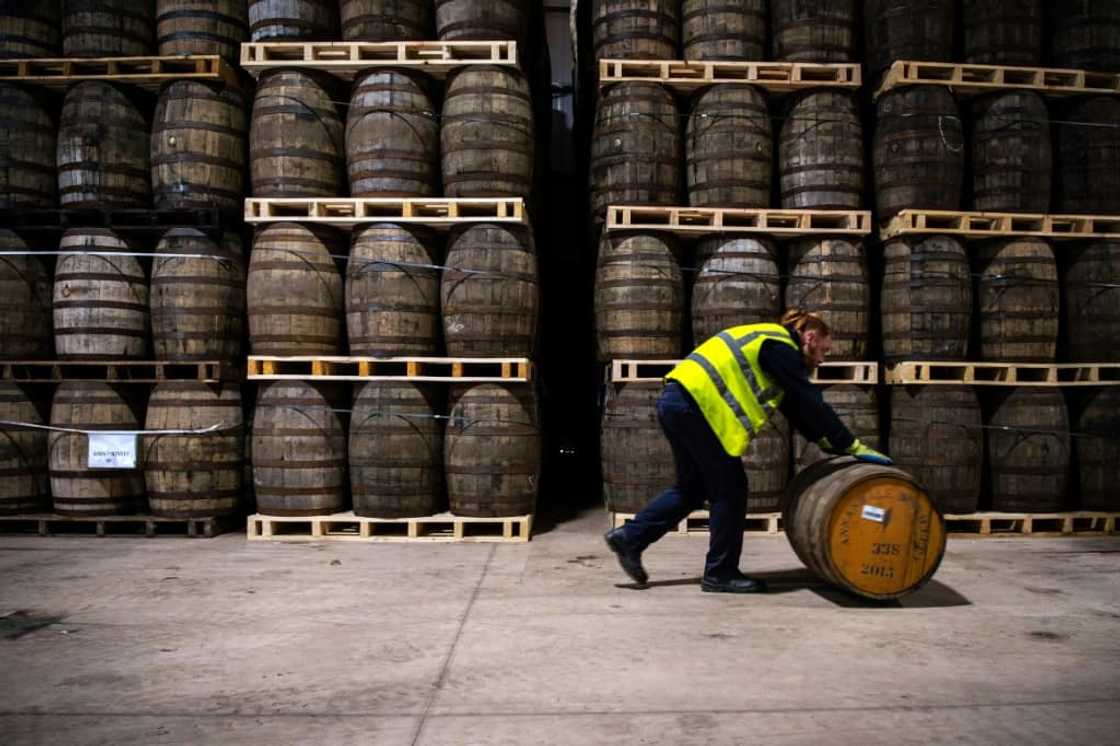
869	529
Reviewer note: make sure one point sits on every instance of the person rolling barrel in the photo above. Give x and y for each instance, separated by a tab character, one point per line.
712	405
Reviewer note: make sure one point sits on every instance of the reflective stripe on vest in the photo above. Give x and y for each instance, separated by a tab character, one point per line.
728	384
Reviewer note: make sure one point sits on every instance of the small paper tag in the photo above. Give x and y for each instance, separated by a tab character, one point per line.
871	513
112	451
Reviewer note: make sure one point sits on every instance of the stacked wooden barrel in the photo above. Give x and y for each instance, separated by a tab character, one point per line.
394	289
116	293
721	146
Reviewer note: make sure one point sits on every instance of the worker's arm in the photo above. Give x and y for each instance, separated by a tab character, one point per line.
803	404
805	407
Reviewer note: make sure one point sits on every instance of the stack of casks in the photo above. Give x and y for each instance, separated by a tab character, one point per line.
1000	300
725	146
394	290
109	150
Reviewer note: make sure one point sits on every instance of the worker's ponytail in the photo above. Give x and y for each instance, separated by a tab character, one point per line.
803	321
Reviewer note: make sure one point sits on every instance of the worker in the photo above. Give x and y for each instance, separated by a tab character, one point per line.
711	406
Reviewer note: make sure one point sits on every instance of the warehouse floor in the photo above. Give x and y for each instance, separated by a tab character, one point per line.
217	641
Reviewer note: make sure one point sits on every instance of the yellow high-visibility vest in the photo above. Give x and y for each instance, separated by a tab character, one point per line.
724	378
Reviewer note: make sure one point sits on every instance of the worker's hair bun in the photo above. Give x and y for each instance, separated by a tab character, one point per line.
805	321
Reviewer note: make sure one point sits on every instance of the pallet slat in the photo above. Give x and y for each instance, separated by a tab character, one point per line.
119	525
938	373
653	371
688	75
443	528
149	73
692	221
117	371
971	80
347	59
354	211
426	369
996	224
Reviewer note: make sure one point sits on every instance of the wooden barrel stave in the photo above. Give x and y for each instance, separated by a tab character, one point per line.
823	31
1088	158
830	277
294	291
392	292
296	138
1091	292
636	457
1017	301
1085	34
293	20
30	29
107	28
392	137
77	489
738	283
906	30
718	30
101	302
1029	450
25	303
1011	154
387	20
636	148
1002	32
196	475
198	305
299	451
23	455
487	135
1098	450
820	163
492	450
103	149
396	451
28	151
202	27
639	297
729	149
490	292
926	299
198	145
481	20
937	435
917	153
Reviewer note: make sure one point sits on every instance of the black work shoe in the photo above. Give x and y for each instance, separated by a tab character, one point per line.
741	584
628	557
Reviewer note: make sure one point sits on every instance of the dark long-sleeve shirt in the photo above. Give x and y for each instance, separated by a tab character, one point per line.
803	404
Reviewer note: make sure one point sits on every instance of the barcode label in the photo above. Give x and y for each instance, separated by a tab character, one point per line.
871	513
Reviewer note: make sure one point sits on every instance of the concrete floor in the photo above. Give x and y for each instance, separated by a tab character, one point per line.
167	641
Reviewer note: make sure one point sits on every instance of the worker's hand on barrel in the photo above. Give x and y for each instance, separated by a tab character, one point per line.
870	455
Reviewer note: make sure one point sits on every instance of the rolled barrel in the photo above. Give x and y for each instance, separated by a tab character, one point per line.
868	529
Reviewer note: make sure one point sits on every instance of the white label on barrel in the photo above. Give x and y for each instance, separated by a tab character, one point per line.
871	513
112	451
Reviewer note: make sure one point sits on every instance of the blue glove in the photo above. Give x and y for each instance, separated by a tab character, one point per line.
870	455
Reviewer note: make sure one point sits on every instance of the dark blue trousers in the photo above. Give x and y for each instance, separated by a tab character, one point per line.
704	472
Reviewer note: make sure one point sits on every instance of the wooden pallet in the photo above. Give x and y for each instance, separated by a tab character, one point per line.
421	369
350	212
934	373
1078	523
696	523
53	524
971	80
1002	224
432	529
116	371
145	72
654	371
347	59
688	75
692	221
